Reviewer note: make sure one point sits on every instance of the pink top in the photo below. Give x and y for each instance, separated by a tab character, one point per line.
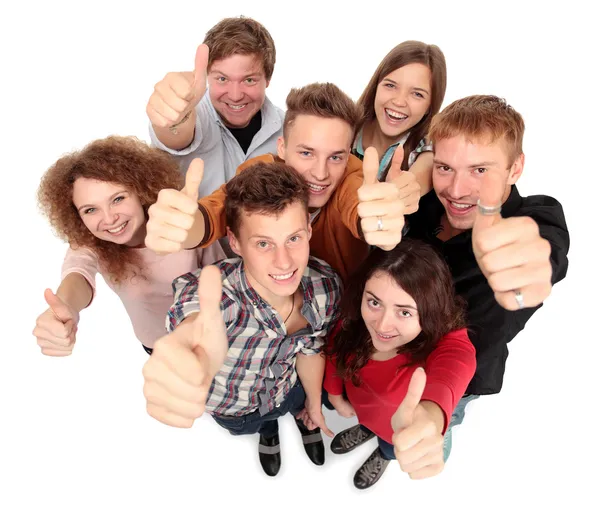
147	301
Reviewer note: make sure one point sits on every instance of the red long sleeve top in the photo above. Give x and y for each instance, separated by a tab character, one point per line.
449	369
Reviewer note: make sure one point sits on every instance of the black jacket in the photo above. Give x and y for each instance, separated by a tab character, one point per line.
491	327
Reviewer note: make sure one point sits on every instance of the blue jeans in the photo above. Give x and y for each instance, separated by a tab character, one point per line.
266	424
457	417
386	449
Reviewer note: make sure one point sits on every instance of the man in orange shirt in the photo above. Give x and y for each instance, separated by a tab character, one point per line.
319	129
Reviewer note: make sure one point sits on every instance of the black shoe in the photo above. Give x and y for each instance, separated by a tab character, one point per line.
269	454
349	439
371	470
313	443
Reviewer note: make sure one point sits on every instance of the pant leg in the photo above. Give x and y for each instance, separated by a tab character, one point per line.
386	449
458	416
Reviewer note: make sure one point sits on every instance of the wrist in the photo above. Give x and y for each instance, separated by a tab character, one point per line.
435	413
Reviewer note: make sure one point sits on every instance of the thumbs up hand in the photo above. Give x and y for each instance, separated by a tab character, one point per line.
409	190
183	364
174	221
55	329
178	93
380	207
417	439
510	252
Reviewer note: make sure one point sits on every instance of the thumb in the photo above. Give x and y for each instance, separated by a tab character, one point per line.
193	179
370	166
403	416
490	196
396	164
200	67
62	312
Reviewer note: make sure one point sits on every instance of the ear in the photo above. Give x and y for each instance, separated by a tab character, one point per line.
281	147
233	243
309	229
516	170
268	83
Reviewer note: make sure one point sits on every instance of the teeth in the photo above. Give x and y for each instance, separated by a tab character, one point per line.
461	206
385	336
118	229
282	277
314	187
396	115
236	107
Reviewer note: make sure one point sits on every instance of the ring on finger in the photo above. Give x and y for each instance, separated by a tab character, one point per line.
379	223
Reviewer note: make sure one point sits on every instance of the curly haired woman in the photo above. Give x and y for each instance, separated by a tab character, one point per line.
97	200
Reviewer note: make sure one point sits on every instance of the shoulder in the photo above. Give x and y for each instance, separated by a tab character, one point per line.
323	277
267	158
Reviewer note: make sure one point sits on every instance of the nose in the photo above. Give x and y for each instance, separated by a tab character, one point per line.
110	216
459	187
283	259
386	321
320	171
400	99
235	93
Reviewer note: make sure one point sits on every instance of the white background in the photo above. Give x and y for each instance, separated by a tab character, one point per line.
75	437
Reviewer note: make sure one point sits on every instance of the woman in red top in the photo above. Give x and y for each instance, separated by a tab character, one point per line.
399	312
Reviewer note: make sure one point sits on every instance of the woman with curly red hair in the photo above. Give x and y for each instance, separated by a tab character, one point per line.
97	200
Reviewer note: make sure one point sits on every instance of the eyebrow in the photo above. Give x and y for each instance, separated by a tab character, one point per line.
255	73
477	165
399	306
263	237
388	80
308	148
85	206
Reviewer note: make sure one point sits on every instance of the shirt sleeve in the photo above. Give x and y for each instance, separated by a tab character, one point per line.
449	369
84	262
186	302
422	147
345	197
332	382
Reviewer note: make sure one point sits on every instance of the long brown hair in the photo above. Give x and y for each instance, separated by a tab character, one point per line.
118	160
425	276
404	54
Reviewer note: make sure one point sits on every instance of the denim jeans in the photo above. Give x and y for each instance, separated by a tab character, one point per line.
266	425
457	417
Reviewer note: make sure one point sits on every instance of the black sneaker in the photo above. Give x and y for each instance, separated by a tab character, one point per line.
371	470
269	454
349	439
313	443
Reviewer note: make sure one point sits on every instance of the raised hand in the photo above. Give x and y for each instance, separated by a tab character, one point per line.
55	329
381	209
178	374
409	190
174	220
178	93
418	444
510	252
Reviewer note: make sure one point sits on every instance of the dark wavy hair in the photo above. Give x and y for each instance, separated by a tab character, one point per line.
119	160
425	276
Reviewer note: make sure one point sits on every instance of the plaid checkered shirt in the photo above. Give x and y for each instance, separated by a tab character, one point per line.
260	367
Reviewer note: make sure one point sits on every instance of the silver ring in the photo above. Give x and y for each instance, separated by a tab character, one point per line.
519	298
488	210
379	224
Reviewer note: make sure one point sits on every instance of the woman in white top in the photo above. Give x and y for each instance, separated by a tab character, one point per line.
97	200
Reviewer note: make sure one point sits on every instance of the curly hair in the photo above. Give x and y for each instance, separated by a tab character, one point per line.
422	273
119	160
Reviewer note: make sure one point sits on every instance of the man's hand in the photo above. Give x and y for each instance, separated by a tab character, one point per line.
178	374
510	252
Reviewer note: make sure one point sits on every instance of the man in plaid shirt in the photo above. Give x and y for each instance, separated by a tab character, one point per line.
245	340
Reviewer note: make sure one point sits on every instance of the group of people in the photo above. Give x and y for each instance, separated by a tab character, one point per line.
374	256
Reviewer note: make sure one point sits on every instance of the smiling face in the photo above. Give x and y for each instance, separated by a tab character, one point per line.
318	148
389	312
458	171
275	250
402	99
111	212
237	86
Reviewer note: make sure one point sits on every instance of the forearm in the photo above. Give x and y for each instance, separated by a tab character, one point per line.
310	370
184	136
423	169
75	291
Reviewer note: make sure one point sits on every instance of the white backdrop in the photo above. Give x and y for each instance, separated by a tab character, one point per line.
75	437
